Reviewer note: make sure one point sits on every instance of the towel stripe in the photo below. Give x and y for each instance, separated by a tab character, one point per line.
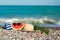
8	26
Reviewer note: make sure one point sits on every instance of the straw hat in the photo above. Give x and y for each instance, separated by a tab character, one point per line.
28	27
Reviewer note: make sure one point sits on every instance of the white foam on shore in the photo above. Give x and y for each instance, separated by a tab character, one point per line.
25	19
58	23
29	20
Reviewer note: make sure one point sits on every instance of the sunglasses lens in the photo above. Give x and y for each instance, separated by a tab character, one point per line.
18	24
14	24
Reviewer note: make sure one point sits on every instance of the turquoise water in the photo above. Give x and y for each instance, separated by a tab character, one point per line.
15	11
29	11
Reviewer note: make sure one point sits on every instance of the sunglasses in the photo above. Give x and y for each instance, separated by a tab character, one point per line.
18	24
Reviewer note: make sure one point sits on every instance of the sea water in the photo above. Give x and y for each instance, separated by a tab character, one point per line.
27	11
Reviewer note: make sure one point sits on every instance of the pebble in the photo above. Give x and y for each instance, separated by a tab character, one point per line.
36	35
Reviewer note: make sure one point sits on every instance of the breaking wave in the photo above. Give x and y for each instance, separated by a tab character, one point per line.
44	21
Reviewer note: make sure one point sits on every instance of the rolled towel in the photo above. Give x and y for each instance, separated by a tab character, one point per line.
28	27
8	26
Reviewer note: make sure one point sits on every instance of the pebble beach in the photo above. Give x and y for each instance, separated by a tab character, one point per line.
35	35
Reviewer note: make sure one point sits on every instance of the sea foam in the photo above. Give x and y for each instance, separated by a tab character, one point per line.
44	21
